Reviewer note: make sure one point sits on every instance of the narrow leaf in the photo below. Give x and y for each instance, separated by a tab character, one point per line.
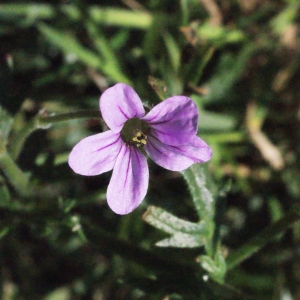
69	44
202	197
103	15
182	240
169	223
173	51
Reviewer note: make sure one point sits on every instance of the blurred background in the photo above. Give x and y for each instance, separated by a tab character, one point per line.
237	59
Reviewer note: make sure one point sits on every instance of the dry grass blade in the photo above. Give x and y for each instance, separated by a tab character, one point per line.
269	151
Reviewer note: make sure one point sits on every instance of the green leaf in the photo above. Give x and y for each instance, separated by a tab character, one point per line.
225	137
201	195
68	44
110	63
220	36
172	80
216	268
104	15
208	264
182	240
185	234
173	51
121	17
214	121
169	223
229	71
193	69
203	201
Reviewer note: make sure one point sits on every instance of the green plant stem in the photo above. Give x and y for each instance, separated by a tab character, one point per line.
267	235
12	172
47	120
44	121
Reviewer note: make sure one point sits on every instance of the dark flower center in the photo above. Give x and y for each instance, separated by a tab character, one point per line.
134	132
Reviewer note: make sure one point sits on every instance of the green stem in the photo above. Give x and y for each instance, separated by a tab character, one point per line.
12	172
259	241
47	120
44	121
19	139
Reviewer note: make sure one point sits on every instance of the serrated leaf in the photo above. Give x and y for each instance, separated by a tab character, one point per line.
182	240
169	223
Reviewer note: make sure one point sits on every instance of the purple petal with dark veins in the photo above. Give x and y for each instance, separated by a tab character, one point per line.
118	104
129	181
95	154
173	121
178	158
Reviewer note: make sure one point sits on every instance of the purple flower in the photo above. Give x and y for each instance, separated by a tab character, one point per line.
167	134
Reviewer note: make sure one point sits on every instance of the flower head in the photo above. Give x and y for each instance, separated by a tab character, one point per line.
167	134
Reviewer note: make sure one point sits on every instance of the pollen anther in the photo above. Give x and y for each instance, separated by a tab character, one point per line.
140	139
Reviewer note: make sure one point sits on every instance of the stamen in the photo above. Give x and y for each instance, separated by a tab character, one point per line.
134	133
140	139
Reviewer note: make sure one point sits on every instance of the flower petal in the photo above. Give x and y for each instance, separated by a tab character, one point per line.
118	104
173	121
178	158
95	154
129	181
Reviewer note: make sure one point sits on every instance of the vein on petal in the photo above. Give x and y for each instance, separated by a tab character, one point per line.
106	146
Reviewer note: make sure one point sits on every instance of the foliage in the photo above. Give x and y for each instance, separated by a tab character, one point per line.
227	229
